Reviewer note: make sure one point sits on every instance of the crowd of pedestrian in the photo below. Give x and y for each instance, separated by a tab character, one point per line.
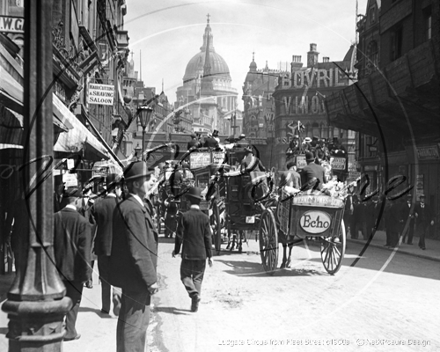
116	227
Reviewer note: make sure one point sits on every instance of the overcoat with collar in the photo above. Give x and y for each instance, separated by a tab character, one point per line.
133	257
72	245
424	215
194	235
102	212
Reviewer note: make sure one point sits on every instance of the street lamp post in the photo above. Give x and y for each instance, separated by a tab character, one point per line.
137	151
36	301
144	113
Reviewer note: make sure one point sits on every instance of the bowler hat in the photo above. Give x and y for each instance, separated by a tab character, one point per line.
310	156
194	192
136	169
290	164
72	192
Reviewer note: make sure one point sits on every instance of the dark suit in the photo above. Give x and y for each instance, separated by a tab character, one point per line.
194	236
193	143
211	142
348	216
102	212
133	263
424	218
72	246
408	214
311	171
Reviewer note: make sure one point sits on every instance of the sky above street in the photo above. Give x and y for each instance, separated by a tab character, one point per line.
168	33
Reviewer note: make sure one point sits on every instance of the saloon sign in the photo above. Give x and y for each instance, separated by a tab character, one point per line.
101	94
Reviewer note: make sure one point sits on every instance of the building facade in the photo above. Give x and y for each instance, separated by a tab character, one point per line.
395	108
300	97
89	46
259	108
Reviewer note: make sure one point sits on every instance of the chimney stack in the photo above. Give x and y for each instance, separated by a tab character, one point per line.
296	62
325	59
312	56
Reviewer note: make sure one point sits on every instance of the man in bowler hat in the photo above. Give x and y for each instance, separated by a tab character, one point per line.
194	142
102	212
423	219
72	246
312	175
133	260
194	236
408	215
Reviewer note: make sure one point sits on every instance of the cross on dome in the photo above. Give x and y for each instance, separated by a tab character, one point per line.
208	15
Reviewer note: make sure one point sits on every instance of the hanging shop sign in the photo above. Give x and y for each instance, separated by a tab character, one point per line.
11	24
428	152
101	94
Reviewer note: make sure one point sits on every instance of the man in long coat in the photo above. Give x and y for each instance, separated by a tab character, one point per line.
194	236
72	246
133	260
312	173
424	218
102	212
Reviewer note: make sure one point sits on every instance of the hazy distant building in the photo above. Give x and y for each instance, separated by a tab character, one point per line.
207	89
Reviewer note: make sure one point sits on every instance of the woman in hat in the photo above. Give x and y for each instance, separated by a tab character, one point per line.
194	236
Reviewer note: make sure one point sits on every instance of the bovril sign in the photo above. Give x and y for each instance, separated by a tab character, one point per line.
315	221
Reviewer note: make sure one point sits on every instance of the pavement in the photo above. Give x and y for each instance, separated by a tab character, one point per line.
432	251
99	330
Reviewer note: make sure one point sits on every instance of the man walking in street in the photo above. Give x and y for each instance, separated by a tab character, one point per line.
72	246
408	215
133	260
102	212
194	236
423	217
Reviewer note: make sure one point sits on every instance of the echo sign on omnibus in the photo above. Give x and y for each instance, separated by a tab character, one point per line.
101	94
10	24
315	221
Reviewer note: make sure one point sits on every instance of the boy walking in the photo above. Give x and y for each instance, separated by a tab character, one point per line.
194	235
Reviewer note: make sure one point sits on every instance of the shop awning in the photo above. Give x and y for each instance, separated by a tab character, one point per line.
11	96
77	139
402	99
75	136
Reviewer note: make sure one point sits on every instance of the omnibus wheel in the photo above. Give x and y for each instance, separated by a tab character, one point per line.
333	250
268	237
